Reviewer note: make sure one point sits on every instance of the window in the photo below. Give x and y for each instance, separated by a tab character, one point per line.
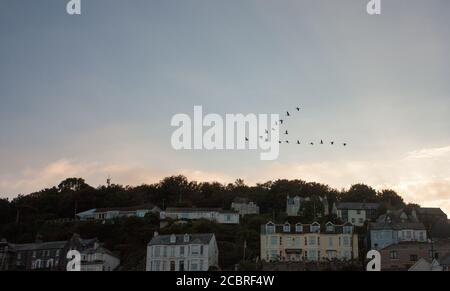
274	240
181	268
270	228
361	221
19	256
346	241
172	266
358	212
157	266
181	250
194	265
393	255
421	236
312	240
157	251
315	227
330	241
298	228
353	220
413	258
287	228
57	253
195	250
330	227
172	251
348	229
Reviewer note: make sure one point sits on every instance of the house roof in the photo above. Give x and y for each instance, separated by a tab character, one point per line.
445	261
201	238
176	209
47	245
358	206
39	246
431	211
396	226
279	228
132	208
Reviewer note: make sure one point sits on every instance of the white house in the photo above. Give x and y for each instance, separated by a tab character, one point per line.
395	227
244	206
214	214
356	213
112	213
98	259
188	252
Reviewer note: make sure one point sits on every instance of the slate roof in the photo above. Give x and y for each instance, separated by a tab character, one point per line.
397	226
47	245
132	208
175	209
279	228
431	211
201	238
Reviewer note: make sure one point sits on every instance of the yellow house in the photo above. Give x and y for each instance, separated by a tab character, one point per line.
308	242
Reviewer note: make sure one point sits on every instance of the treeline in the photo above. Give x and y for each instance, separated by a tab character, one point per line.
75	195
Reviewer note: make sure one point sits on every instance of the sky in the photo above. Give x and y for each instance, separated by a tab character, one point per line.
93	95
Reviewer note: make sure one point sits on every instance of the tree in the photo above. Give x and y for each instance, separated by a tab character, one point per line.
360	193
392	199
72	184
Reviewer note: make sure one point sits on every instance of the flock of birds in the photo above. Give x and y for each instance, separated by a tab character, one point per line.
286	133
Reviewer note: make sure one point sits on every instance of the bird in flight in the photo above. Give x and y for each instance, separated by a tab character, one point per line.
298	108
286	132
281	121
246	139
298	142
312	143
321	141
332	143
267	132
287	141
287	113
344	144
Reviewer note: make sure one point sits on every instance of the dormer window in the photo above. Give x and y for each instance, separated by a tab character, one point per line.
348	229
330	227
315	227
186	238
270	228
173	239
298	227
286	227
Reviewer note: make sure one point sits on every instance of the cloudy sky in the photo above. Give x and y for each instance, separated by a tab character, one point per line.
93	95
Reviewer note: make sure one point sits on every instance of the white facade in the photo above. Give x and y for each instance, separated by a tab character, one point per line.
109	214
356	217
217	215
196	252
245	208
98	260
